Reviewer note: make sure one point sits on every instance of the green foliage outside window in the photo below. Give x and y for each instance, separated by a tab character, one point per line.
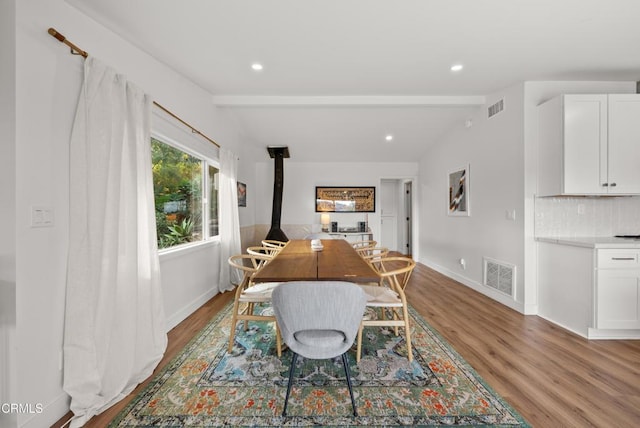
177	182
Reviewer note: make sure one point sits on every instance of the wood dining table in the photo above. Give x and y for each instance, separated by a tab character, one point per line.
337	261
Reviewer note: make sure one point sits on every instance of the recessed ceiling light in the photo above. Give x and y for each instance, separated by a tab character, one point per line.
389	137
456	67
256	66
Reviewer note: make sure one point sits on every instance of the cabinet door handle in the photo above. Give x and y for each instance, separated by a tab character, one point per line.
612	184
623	258
605	184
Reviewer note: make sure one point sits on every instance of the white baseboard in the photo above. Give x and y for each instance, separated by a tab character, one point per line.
531	309
572	330
51	413
601	334
179	316
480	288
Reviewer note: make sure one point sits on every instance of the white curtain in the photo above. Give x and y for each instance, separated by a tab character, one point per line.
229	219
114	318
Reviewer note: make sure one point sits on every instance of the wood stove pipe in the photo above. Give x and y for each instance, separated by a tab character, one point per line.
278	154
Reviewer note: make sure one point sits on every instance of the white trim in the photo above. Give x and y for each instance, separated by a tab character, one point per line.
600	334
163	138
531	309
58	406
356	100
182	314
181	250
572	330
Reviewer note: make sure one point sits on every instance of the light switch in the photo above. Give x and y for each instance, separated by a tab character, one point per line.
41	216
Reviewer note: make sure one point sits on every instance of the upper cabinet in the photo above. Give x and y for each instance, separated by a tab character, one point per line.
589	145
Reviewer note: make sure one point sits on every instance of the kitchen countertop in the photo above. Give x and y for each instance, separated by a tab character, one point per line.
593	241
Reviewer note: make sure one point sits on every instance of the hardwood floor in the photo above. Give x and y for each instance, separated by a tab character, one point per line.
554	378
551	376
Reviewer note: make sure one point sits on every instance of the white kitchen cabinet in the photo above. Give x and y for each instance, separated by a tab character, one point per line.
590	286
618	289
589	145
565	286
623	154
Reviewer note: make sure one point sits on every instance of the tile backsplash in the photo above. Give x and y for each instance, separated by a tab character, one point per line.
587	216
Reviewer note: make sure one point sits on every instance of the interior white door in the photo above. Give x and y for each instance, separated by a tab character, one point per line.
388	214
388	232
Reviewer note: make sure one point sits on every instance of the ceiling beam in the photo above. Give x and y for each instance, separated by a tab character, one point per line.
355	101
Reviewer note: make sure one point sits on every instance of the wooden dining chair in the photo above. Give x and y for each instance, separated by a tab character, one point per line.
390	299
357	245
273	243
248	294
373	255
270	252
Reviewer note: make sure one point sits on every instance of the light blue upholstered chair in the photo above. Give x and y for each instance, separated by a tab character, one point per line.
318	320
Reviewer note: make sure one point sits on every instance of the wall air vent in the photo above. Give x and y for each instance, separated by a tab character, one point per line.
500	276
496	108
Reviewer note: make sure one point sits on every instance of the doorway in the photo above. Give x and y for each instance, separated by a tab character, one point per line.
396	215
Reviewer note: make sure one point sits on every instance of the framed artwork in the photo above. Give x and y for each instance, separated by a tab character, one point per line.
345	199
242	194
458	181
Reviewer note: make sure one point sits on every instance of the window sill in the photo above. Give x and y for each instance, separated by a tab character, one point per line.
181	250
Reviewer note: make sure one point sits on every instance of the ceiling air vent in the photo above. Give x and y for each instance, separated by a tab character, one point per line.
499	275
496	108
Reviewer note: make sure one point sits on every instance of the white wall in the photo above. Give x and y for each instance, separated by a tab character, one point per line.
7	208
47	83
493	149
301	179
502	152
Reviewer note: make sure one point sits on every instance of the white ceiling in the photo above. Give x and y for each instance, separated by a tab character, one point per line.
341	74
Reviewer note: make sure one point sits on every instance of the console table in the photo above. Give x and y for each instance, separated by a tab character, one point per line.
353	236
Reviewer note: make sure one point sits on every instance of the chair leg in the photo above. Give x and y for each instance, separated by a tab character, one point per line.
249	310
278	341
294	358
407	333
395	317
232	330
345	362
359	345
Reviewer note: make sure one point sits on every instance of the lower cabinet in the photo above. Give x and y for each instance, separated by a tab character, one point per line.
594	292
618	289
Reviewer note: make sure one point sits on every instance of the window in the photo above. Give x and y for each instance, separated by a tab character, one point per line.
186	195
213	200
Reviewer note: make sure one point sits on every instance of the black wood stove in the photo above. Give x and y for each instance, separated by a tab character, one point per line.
278	154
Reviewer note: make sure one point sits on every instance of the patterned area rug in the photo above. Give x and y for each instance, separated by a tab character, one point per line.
206	386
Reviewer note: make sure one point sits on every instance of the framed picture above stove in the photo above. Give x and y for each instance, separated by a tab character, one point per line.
345	199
